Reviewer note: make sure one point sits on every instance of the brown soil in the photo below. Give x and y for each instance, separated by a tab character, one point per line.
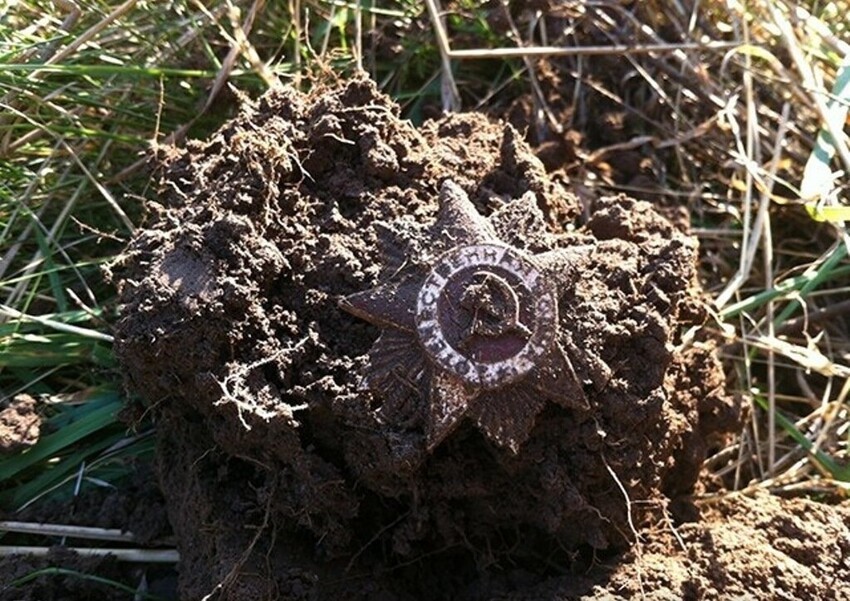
63	575
283	477
58	586
742	548
134	506
20	424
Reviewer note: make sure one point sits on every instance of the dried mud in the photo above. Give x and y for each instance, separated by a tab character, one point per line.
760	548
20	424
283	478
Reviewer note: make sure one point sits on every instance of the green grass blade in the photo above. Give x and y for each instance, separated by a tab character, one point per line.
803	284
82	576
838	471
42	351
818	178
821	274
55	474
107	70
92	421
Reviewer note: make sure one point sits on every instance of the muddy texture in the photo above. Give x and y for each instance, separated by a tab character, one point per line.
283	477
20	424
761	548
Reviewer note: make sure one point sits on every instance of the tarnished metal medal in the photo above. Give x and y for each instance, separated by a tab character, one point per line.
476	332
486	315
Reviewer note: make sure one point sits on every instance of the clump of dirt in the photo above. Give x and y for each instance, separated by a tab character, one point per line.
20	424
283	475
760	548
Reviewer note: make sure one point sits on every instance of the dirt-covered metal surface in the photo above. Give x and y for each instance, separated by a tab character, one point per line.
314	441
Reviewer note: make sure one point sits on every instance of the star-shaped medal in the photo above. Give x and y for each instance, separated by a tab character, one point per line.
472	329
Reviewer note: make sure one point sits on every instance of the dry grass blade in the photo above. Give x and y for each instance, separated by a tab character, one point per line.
88	35
553	51
448	86
812	84
86	532
54	325
127	555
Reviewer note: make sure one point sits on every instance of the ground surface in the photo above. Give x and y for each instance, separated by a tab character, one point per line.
284	477
287	474
740	548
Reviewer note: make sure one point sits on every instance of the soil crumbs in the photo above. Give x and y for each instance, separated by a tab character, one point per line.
285	477
742	548
134	506
20	424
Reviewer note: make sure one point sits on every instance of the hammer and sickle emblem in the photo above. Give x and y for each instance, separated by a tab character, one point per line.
495	307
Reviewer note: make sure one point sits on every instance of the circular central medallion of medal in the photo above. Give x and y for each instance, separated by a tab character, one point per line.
485	314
